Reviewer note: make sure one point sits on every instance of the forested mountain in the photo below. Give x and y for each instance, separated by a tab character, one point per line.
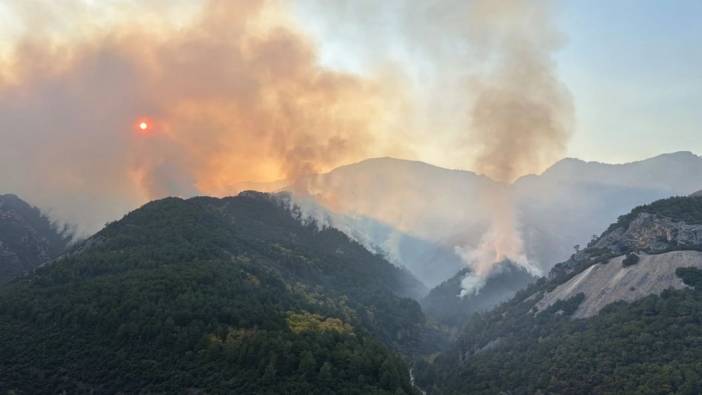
27	238
420	211
446	305
621	316
234	295
558	209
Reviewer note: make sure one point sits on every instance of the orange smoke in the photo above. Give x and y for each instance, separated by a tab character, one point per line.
237	93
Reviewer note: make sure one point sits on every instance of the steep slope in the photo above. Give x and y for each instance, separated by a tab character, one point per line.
431	261
27	238
446	305
211	295
573	199
415	201
612	281
641	340
557	210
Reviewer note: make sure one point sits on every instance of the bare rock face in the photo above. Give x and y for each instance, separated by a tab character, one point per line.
605	283
646	232
653	234
666	235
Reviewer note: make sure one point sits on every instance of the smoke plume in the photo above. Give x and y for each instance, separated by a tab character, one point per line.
233	94
242	93
488	82
521	118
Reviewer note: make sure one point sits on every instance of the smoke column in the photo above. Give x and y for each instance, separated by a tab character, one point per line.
483	75
521	119
245	90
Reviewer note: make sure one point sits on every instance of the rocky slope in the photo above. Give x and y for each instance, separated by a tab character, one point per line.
659	238
620	316
665	225
27	238
605	283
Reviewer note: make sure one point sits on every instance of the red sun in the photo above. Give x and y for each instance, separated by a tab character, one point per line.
144	125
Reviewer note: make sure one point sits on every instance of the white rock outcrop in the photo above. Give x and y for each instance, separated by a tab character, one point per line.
605	283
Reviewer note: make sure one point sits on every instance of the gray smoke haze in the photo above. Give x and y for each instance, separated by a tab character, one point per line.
521	120
522	116
487	80
233	94
238	93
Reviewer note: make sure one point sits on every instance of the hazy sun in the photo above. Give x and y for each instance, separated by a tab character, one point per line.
143	125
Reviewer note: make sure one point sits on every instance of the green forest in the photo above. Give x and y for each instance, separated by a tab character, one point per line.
215	296
245	295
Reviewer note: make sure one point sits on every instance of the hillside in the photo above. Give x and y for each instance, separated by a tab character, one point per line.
419	212
558	209
211	295
574	199
27	238
445	305
602	322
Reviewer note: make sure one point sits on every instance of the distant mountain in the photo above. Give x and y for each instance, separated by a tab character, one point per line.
446	305
415	211
27	238
620	316
233	295
414	197
557	210
428	260
574	200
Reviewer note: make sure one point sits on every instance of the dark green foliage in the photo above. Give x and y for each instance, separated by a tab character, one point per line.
27	238
691	276
198	295
566	307
630	259
445	305
651	346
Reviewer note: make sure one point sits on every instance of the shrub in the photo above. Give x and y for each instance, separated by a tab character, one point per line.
691	276
631	259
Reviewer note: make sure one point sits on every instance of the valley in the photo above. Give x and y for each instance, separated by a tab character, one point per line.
248	289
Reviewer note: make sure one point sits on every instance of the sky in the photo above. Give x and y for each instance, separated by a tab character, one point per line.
634	68
241	92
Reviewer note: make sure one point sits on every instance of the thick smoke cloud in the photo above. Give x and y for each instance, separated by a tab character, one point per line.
487	82
233	94
521	118
242	93
483	82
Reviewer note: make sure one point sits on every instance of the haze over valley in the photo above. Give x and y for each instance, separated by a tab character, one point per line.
350	197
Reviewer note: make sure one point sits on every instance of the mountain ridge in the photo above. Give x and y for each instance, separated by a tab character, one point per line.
611	319
211	295
27	238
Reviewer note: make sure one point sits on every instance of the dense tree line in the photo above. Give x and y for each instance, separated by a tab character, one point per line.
233	295
651	346
445	305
